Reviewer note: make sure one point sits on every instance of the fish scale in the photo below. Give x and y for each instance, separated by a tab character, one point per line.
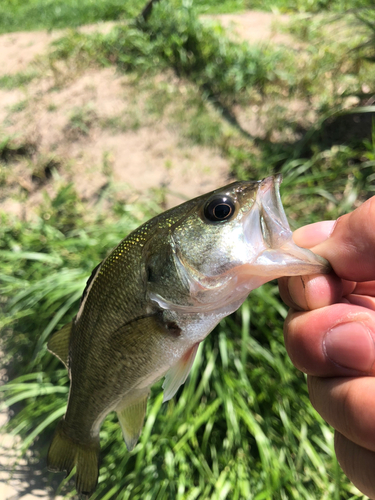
149	304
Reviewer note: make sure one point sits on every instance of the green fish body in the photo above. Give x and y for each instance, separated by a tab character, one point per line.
150	303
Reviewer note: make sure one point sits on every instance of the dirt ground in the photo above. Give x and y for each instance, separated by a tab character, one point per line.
151	156
140	158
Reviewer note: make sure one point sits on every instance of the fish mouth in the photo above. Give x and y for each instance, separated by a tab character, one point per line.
270	239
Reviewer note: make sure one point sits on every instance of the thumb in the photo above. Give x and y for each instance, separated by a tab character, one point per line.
350	249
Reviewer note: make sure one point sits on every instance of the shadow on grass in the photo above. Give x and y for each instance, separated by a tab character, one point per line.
350	129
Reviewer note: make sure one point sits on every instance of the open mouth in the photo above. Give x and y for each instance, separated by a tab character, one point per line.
273	251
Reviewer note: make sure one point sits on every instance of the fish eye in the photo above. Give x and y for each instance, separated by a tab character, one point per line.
219	209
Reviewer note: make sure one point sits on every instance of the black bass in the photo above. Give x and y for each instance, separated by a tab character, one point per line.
150	303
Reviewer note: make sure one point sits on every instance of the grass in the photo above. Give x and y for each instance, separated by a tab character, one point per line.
19	106
16	15
20	79
242	426
80	122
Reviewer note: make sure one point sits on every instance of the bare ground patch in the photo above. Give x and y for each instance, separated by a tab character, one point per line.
94	124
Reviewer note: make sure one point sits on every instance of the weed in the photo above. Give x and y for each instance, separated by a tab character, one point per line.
20	79
113	123
203	128
80	122
163	94
107	167
19	106
122	123
11	148
43	169
63	210
3	174
334	179
51	107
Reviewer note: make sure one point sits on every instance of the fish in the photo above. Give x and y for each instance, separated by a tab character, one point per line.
154	299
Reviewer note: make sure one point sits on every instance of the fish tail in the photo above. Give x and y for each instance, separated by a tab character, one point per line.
65	453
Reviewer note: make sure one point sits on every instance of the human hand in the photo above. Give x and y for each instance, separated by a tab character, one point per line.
330	335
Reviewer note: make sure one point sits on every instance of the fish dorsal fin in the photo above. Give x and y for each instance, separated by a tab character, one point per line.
89	282
178	373
58	344
87	289
131	419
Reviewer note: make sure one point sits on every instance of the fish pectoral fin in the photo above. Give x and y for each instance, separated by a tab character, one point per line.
178	373
58	344
131	419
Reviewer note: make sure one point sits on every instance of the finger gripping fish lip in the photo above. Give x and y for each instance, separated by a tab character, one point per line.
268	235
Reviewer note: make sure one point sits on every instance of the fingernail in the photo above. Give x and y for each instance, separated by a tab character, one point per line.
350	345
296	288
329	226
314	234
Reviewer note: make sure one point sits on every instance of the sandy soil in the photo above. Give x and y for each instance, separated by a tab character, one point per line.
149	157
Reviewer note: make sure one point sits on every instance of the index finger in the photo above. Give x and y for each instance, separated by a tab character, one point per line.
350	248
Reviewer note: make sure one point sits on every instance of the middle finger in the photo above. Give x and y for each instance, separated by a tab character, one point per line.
343	403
